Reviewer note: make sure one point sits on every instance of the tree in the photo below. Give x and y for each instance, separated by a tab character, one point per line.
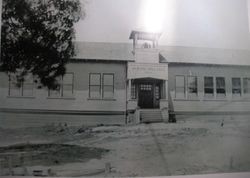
36	38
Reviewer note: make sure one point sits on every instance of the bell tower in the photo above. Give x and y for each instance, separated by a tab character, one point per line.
145	46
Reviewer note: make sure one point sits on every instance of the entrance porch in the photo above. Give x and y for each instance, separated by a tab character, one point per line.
147	91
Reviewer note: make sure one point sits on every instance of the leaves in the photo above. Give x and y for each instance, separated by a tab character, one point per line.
37	37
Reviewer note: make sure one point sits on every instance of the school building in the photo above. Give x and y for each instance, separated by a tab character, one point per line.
139	82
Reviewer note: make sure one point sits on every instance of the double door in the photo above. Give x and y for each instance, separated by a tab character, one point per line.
148	95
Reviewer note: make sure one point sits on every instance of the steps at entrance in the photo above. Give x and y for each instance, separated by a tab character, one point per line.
150	115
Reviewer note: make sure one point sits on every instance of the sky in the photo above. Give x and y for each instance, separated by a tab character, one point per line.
199	23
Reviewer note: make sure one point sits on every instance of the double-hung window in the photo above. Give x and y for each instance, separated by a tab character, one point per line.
180	87
236	87
208	87
192	86
246	86
220	87
24	88
101	86
108	86
94	85
65	88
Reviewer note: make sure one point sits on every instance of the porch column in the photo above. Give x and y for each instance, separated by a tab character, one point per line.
164	102
166	89
129	89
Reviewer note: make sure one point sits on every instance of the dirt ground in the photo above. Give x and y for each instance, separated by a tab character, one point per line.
193	145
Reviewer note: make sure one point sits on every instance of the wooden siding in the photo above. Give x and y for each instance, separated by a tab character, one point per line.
202	104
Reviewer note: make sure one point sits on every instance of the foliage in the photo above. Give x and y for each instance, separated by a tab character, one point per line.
37	37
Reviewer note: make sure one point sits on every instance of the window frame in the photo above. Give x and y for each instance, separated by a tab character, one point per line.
100	85
72	84
216	87
103	85
244	87
188	86
21	87
133	91
184	87
61	90
237	88
204	89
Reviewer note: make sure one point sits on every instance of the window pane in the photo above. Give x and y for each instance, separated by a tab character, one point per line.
180	81
157	92
15	90
220	82
208	82
68	78
209	90
133	91
67	90
192	85
28	85
108	92
246	85
220	87
236	87
95	79
236	83
179	86
208	87
180	93
95	91
108	79
55	93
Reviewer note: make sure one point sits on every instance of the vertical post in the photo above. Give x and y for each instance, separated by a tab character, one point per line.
166	89
134	45
129	89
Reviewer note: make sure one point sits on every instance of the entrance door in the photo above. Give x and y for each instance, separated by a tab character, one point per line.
146	95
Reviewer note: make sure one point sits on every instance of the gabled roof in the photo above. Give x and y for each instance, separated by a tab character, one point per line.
170	54
200	55
103	51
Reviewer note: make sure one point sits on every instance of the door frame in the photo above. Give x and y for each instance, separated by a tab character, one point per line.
153	83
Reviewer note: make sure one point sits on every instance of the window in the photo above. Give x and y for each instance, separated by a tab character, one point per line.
65	88
108	85
68	85
133	91
208	87
146	87
23	89
157	92
179	86
192	86
220	87
246	86
95	85
236	87
101	85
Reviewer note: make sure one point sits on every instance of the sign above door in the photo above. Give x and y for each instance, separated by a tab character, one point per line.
147	70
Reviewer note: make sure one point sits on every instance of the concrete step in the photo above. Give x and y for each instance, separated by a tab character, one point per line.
150	115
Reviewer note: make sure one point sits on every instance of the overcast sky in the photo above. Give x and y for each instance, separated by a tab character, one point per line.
204	23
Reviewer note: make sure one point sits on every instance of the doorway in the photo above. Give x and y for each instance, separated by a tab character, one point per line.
148	95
